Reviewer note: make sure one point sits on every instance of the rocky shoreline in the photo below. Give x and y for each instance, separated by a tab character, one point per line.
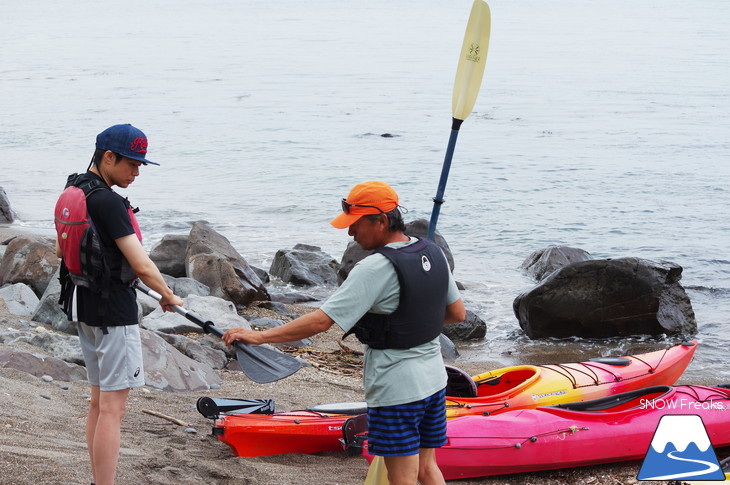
42	428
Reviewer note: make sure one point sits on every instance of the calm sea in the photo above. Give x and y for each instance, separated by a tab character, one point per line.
599	126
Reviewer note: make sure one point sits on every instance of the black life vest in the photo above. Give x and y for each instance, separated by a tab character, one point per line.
423	275
86	261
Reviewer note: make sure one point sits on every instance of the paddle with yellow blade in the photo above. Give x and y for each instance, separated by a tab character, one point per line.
469	73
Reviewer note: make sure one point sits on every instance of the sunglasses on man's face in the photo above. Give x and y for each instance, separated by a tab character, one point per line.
346	207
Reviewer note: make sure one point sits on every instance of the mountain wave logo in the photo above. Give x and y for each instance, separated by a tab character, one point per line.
681	449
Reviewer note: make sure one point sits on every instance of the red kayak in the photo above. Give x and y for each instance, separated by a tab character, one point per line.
320	428
612	429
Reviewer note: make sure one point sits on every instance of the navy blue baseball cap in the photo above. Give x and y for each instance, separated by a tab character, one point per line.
126	140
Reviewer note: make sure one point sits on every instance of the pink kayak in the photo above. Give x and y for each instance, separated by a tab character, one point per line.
610	429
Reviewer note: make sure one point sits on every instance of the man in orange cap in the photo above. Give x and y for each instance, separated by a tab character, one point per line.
395	301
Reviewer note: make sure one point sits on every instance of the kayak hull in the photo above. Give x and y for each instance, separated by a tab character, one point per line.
548	438
497	391
293	432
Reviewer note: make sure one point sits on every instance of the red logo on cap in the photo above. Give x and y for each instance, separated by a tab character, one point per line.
139	145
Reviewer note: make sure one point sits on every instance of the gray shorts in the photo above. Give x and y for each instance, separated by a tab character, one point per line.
113	360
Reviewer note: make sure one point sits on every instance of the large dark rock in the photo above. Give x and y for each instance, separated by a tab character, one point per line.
607	298
262	274
211	260
6	213
30	260
418	228
169	255
353	253
472	328
544	261
304	265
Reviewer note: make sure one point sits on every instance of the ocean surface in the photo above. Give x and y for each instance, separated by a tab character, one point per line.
599	126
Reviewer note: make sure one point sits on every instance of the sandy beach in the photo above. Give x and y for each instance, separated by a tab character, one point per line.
42	435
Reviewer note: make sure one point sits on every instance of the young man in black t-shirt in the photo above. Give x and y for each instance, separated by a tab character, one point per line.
108	326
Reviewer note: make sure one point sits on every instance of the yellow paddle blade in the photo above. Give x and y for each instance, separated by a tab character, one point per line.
472	59
377	473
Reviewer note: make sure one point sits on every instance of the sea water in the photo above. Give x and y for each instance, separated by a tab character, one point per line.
598	126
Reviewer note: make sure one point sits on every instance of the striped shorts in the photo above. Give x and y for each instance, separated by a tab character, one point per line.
403	429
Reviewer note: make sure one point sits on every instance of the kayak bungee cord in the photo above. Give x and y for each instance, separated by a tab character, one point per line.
567	372
721	395
472	405
521	440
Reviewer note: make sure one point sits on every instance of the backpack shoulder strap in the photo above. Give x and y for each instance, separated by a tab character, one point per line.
88	185
71	180
91	186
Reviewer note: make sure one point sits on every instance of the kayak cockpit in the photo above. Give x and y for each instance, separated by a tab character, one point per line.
496	384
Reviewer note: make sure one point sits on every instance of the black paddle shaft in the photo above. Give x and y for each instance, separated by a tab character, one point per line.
207	325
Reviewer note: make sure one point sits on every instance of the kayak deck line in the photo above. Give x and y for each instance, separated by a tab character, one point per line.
519	441
610	361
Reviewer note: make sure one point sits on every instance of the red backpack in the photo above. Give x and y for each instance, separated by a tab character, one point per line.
83	254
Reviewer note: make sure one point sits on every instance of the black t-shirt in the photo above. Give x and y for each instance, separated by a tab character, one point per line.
109	213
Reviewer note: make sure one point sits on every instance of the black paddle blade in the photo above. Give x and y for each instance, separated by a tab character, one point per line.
264	364
213	407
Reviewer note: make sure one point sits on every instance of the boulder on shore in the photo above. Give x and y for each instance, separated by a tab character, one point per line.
19	299
48	311
473	328
543	262
31	260
213	261
607	298
40	365
6	213
305	265
169	255
169	370
222	313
